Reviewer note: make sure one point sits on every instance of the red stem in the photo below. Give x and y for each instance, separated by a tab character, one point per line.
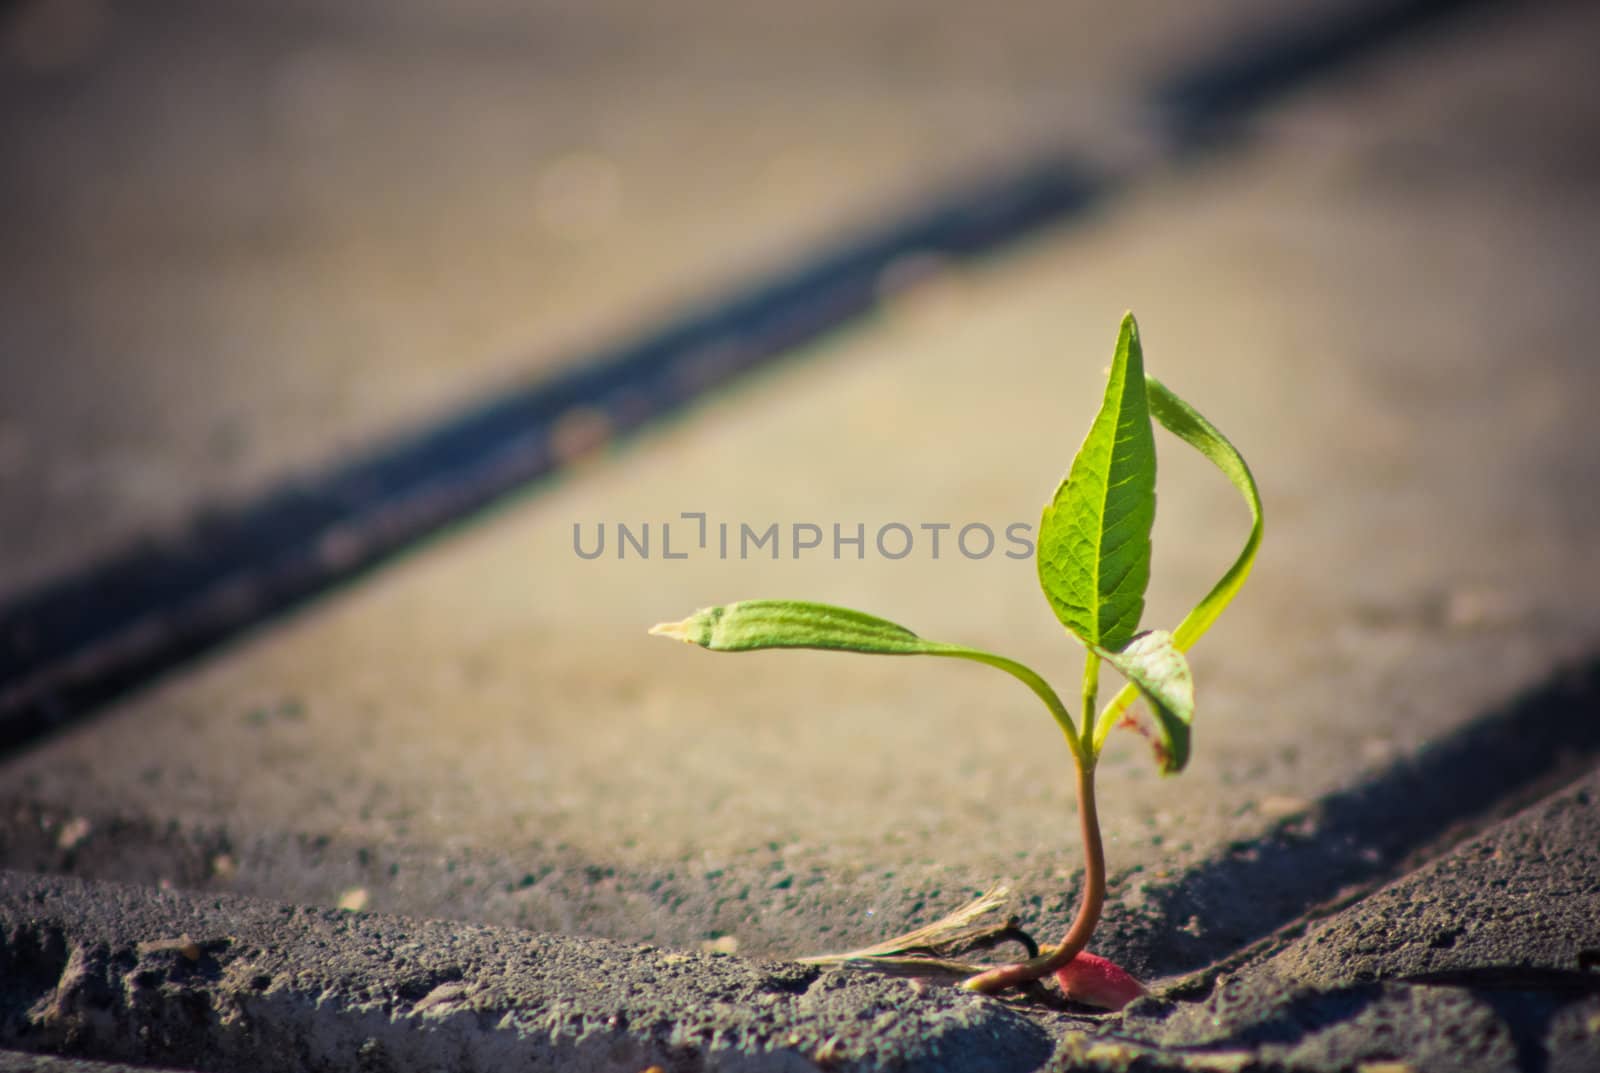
1094	898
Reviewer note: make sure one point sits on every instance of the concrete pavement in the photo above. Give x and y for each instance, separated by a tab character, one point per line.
1484	960
271	988
240	244
24	1062
486	732
1384	302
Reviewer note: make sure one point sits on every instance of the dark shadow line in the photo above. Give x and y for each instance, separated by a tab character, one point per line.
1198	105
79	641
74	644
1372	831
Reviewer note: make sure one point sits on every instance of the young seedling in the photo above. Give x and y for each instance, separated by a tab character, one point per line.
1093	558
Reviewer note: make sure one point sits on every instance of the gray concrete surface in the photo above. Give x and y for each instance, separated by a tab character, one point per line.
240	241
95	969
23	1062
1386	303
1487	959
1484	960
1385	300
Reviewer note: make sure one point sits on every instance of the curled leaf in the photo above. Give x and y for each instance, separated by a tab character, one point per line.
1185	422
1155	666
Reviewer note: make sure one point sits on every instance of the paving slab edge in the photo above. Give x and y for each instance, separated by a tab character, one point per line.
1331	850
70	644
1487	958
118	973
218	982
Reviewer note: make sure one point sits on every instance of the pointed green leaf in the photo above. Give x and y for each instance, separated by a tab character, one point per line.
1185	422
751	625
1094	539
756	624
1155	666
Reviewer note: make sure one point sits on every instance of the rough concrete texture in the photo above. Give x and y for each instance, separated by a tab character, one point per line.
1488	959
23	1062
108	971
240	241
1385	302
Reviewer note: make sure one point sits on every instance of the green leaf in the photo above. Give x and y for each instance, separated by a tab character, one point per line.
751	625
1094	538
1154	664
1185	422
756	624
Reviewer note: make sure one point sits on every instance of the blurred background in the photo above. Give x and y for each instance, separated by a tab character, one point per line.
241	239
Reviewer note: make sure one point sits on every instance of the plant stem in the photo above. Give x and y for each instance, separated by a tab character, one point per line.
1091	695
1094	897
